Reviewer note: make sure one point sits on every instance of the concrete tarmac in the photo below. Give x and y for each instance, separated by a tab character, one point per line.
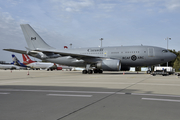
71	95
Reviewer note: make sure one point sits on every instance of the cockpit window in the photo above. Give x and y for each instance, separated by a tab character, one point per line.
164	51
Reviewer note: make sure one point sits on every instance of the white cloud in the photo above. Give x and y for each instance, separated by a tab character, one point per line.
6	22
156	5
72	6
172	5
14	2
107	7
11	36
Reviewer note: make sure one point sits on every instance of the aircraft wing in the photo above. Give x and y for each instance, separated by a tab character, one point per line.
86	58
73	55
22	52
16	51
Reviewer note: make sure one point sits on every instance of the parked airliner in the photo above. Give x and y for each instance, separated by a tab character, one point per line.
94	59
42	65
16	64
36	65
7	66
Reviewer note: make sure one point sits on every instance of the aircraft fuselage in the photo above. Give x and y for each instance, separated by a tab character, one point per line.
128	55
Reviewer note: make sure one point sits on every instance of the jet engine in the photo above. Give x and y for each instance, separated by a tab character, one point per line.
109	65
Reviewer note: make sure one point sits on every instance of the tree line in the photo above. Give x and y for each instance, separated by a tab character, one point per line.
176	62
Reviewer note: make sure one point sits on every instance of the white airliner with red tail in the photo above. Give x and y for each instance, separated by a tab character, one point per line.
37	65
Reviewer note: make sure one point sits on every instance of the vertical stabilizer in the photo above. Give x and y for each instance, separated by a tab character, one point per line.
26	59
16	61
34	41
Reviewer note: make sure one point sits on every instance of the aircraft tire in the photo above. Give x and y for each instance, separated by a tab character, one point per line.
100	71
148	72
95	71
90	71
84	72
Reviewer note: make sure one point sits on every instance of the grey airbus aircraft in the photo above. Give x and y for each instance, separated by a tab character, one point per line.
94	59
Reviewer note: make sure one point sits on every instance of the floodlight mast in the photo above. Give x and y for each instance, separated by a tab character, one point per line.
167	45
101	41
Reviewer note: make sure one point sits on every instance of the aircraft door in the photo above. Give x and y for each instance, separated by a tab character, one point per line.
150	52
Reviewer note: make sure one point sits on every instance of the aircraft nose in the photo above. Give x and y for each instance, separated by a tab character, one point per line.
170	57
173	56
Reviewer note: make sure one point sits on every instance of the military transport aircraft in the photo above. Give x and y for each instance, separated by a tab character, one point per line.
94	59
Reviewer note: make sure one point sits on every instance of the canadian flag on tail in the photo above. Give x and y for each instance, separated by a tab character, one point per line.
26	59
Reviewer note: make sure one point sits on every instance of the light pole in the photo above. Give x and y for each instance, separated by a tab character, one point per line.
101	41
167	45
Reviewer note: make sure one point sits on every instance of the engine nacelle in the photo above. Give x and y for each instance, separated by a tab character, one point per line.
46	55
109	65
42	55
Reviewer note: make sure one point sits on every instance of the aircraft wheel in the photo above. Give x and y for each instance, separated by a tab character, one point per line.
95	71
100	71
84	72
90	71
148	72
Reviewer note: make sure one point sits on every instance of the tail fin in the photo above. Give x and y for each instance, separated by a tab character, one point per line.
16	61
34	41
26	59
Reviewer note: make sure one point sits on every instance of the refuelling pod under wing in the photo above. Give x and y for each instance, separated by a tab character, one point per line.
109	65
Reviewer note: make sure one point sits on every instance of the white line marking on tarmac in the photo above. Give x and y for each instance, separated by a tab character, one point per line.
91	92
4	93
166	100
156	95
86	92
155	84
101	83
68	95
115	83
148	94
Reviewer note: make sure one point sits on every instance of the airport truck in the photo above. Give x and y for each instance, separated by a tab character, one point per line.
163	70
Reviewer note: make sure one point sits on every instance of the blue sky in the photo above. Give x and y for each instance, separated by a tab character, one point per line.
84	22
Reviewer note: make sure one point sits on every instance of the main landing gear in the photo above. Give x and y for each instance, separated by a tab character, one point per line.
91	71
